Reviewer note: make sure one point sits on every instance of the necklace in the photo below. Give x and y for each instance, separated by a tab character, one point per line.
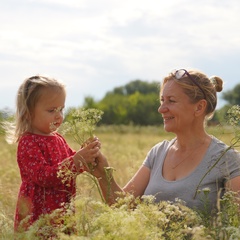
193	150
174	166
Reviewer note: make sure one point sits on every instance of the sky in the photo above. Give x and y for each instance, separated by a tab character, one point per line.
94	46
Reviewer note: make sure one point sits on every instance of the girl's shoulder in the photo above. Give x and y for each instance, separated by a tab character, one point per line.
28	136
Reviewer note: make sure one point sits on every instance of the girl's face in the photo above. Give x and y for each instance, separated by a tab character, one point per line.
176	109
48	113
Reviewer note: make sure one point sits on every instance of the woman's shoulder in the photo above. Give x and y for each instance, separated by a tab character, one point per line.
218	144
164	144
157	153
218	147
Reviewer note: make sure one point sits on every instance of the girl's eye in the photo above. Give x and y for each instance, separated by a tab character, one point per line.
59	110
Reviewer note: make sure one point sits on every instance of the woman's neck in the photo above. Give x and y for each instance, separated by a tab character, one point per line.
188	142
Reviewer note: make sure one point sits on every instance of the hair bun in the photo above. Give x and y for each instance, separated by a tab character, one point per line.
217	82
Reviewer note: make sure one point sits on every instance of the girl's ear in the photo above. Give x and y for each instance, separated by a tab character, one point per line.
200	107
28	116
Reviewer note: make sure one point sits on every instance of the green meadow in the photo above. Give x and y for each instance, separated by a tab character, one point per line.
125	148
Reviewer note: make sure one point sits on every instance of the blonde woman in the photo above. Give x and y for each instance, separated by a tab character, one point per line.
175	169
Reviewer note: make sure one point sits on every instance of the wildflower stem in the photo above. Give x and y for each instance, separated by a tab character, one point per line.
97	185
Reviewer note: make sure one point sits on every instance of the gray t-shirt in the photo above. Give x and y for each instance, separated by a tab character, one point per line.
184	189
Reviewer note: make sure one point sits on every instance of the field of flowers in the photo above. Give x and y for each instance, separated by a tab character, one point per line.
125	148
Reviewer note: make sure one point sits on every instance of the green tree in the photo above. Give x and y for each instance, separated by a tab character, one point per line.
137	103
137	86
142	87
220	116
114	107
143	109
232	96
89	102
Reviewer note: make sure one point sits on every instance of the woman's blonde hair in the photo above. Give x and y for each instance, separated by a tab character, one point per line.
206	88
28	95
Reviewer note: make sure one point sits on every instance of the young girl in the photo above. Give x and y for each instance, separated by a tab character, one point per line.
42	152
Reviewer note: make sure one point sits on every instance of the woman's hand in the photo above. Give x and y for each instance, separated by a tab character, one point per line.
101	164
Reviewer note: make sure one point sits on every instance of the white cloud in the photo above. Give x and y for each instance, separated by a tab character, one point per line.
103	44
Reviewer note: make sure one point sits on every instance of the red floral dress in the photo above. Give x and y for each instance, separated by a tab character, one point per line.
42	191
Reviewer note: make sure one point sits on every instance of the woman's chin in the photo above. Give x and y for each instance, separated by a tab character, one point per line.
167	128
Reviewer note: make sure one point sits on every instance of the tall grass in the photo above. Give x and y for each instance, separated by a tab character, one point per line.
125	148
9	184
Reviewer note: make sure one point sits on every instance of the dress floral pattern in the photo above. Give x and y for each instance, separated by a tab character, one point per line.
42	191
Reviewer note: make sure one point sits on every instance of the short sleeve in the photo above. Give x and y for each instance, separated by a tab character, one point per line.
157	154
233	163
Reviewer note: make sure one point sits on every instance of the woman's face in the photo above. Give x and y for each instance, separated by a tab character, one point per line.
176	109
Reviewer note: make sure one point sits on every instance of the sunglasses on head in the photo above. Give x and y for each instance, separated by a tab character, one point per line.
178	74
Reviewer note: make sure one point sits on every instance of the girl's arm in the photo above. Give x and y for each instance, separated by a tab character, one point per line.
35	165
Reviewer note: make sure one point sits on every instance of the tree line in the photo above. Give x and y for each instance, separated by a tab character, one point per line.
137	103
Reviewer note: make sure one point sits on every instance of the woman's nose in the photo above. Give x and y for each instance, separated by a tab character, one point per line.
162	108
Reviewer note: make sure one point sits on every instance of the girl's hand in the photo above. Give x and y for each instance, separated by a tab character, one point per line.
87	154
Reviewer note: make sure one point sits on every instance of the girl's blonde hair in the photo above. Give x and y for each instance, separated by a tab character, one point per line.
28	95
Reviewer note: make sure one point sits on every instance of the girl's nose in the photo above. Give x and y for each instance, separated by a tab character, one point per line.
59	114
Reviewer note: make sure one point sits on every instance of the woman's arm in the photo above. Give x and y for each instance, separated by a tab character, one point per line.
139	182
234	185
110	187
